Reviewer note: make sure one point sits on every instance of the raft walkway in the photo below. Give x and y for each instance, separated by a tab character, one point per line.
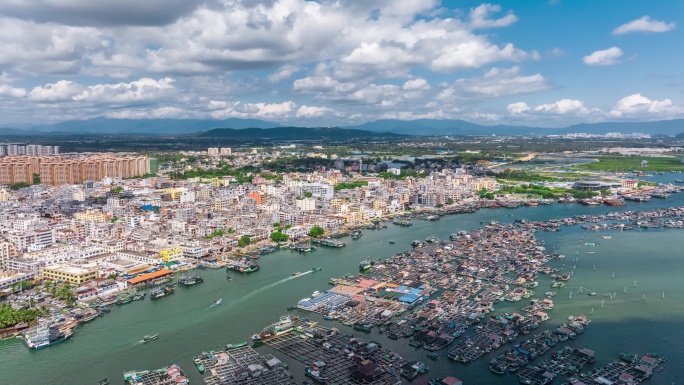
533	375
242	364
624	371
568	361
371	365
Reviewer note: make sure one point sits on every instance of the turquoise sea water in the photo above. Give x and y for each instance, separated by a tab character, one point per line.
654	258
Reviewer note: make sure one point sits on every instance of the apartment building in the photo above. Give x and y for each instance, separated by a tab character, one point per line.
67	273
57	170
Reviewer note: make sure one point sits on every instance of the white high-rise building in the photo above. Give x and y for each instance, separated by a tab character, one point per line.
4	255
226	151
213	151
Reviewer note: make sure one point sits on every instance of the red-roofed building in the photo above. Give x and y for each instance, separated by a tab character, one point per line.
149	277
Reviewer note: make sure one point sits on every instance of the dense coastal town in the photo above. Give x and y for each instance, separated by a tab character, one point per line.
341	192
125	224
71	251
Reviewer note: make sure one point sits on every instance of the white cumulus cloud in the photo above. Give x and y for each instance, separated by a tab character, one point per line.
563	107
479	17
63	90
7	90
283	73
517	108
496	82
223	109
313	111
416	85
139	90
603	57
638	104
644	24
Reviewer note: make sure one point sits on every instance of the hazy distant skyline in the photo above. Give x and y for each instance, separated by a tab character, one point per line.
548	63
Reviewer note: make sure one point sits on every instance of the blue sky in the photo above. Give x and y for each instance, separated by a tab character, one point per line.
543	63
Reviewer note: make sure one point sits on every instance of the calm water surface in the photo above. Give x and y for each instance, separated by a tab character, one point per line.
108	346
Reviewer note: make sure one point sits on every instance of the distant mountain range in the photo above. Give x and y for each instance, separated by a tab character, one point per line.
461	127
293	133
104	126
107	126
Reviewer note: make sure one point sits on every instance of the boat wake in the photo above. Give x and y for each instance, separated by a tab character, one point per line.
277	283
267	287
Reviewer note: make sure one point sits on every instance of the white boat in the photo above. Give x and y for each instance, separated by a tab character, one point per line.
217	302
315	293
150	338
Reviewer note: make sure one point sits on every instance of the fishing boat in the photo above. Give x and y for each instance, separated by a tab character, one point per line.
315	269
217	302
162	292
591	294
153	337
606	237
284	325
191	280
244	266
550	293
315	374
391	242
47	336
362	327
88	316
365	265
315	293
103	382
296	273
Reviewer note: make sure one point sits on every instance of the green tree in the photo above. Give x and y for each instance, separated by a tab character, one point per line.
316	231
50	287
351	185
216	233
66	294
231	230
20	185
10	317
111	276
279	236
308	194
244	241
277	224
